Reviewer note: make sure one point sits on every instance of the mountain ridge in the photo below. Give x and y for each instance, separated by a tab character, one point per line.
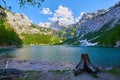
95	24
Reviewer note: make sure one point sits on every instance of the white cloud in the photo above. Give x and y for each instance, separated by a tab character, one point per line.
79	17
46	24
63	15
46	11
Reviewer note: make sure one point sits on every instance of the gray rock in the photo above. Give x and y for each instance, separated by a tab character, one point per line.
9	72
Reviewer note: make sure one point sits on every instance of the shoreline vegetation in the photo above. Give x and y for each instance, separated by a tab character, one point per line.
20	46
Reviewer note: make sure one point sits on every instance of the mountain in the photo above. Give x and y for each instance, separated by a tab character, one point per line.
25	30
101	27
56	25
8	37
20	22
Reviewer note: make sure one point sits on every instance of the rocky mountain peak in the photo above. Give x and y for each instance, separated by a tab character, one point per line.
56	25
20	22
88	16
16	18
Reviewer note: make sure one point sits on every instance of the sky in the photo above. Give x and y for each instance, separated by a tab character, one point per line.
65	11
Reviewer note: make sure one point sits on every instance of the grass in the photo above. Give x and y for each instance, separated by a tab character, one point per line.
59	71
31	75
35	75
114	71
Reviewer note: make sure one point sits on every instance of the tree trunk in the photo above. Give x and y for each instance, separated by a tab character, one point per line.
85	65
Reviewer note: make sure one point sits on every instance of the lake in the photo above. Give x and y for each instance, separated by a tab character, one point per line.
100	56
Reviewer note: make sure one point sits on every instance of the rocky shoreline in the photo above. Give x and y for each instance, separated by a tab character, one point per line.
44	70
41	65
10	47
36	65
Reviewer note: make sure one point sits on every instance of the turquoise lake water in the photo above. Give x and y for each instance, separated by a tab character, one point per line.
101	56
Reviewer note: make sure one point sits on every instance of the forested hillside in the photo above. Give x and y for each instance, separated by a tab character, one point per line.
40	39
8	37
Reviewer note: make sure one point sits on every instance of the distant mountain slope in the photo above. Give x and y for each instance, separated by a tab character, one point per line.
57	25
102	26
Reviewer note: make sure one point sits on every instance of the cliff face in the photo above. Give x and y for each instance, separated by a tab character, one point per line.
21	23
56	25
20	19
